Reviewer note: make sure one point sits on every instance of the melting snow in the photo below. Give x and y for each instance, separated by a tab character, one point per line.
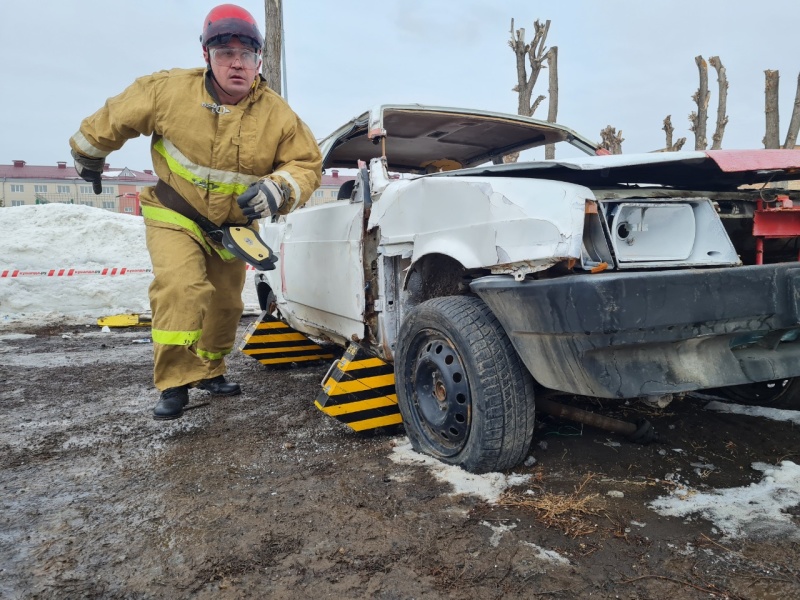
489	486
497	532
756	510
547	555
775	414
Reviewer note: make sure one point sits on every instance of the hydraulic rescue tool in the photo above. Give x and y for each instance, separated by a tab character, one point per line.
240	240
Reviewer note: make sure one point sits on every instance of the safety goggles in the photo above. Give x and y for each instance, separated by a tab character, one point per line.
225	57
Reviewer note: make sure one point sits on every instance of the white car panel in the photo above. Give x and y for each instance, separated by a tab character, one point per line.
320	272
483	223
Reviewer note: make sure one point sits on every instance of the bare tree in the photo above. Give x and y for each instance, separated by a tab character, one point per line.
552	109
611	140
700	118
722	102
794	123
271	67
669	130
535	54
771	136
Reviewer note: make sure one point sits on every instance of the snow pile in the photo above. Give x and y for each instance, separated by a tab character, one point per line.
756	510
488	486
68	236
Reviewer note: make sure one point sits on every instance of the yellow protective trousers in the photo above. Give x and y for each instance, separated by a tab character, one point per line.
196	301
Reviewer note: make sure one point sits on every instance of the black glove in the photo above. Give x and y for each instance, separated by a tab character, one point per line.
262	199
91	170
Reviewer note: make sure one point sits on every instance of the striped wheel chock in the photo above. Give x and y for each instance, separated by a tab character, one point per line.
272	342
359	391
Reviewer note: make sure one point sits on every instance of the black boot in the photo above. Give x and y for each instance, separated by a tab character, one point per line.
219	387
171	403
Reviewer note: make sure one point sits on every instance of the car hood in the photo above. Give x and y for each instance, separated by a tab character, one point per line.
706	170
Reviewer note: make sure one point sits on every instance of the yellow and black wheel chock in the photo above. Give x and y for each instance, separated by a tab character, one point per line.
358	390
272	342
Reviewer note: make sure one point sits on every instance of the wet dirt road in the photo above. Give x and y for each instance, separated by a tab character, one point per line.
263	496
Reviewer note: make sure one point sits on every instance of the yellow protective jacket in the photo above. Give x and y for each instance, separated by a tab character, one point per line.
208	153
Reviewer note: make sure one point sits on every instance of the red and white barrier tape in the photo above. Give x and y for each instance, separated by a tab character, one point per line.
70	272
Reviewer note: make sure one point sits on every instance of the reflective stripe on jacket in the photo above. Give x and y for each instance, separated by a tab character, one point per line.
208	153
176	338
171	218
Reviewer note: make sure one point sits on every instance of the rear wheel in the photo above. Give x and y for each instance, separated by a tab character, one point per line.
779	393
465	396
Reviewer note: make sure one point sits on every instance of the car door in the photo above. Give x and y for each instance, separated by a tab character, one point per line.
322	271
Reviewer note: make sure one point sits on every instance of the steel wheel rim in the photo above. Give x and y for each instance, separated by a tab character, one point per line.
440	393
764	393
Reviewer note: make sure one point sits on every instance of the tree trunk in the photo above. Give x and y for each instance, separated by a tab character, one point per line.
271	67
722	104
534	53
552	109
669	130
611	140
794	124
700	118
772	135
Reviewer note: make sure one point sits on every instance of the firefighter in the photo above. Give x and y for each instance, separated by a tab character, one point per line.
226	147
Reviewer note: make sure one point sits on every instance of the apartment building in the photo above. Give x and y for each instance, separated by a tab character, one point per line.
329	188
22	184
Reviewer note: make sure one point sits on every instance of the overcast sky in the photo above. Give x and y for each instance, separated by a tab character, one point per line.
626	63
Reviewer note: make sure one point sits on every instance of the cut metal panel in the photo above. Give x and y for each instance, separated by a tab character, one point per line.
359	391
415	135
272	342
688	170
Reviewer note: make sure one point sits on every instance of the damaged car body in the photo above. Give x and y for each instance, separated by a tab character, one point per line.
484	283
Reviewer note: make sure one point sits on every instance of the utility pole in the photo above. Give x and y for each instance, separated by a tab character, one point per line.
274	56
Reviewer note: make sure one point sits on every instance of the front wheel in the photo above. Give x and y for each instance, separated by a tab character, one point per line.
465	396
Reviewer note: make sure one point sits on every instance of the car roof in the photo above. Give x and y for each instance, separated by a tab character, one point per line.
418	138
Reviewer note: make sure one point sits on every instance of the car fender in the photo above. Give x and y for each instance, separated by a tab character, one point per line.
483	223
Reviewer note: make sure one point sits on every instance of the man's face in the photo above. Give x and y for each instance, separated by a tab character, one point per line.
235	66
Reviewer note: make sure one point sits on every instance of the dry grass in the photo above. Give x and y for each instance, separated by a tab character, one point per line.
567	512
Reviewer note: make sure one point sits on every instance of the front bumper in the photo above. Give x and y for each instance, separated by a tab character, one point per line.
625	335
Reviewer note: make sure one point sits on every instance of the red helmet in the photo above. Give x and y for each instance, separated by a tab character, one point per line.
228	20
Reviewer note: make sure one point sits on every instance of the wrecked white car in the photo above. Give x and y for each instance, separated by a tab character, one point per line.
463	287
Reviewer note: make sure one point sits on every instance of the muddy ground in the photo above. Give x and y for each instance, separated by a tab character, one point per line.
263	496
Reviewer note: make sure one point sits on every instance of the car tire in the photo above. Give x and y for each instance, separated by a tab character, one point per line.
465	396
780	393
